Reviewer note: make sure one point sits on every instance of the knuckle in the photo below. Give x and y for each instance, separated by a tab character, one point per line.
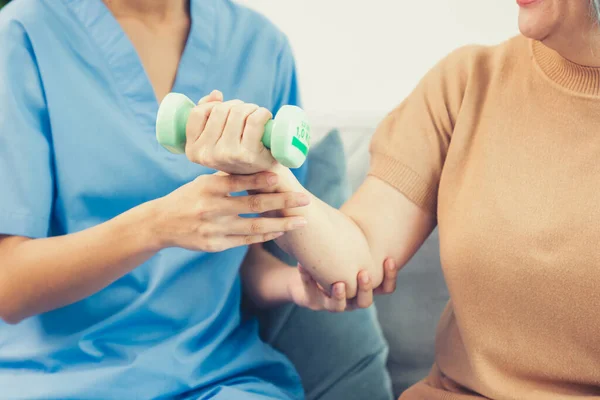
255	203
238	111
289	200
231	184
221	154
256	227
226	156
200	210
221	109
264	113
257	118
190	153
194	155
245	158
200	156
258	179
238	157
248	240
199	112
206	233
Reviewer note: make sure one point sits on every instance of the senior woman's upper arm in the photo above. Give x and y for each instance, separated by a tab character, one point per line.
396	207
393	225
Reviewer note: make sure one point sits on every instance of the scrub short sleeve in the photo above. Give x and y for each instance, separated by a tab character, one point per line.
26	178
287	92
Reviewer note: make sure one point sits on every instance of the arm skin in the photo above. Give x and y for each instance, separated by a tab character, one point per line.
377	222
265	278
79	264
39	275
270	282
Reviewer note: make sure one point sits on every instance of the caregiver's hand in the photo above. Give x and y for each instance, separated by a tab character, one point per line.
306	292
227	136
39	275
202	215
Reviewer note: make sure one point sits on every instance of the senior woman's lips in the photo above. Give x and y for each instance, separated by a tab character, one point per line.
524	3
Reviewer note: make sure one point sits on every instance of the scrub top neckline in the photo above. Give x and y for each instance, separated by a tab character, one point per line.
126	67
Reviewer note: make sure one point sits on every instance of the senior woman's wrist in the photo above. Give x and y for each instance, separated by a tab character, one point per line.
288	183
287	180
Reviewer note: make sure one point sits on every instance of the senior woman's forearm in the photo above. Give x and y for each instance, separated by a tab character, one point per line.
332	246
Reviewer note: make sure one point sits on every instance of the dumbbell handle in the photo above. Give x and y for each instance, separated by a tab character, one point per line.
290	147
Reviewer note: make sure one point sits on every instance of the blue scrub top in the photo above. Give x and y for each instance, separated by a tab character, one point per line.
77	148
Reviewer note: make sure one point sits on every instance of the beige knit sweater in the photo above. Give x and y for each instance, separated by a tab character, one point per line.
503	145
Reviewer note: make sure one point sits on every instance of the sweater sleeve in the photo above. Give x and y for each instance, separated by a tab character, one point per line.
409	147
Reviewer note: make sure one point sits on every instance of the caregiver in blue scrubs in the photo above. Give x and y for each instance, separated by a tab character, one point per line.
119	261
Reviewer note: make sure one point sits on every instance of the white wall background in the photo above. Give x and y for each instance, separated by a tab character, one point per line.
357	59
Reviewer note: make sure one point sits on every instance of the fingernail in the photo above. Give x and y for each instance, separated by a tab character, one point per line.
364	278
339	289
391	267
299	223
272	179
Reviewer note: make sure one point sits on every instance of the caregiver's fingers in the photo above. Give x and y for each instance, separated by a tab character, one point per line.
310	285
364	298
195	126
215	125
236	123
390	277
254	129
337	301
232	241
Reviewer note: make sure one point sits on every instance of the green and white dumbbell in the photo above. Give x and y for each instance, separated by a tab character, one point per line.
287	135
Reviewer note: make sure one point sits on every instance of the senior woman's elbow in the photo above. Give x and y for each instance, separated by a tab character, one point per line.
352	276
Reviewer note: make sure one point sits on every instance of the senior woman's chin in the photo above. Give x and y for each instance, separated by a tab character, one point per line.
536	18
544	19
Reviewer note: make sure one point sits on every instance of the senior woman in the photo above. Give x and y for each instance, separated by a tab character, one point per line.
499	147
107	290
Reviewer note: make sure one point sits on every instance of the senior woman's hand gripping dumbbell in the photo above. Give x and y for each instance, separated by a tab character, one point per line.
287	136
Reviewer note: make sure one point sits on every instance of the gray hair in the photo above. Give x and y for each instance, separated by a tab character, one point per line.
596	9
